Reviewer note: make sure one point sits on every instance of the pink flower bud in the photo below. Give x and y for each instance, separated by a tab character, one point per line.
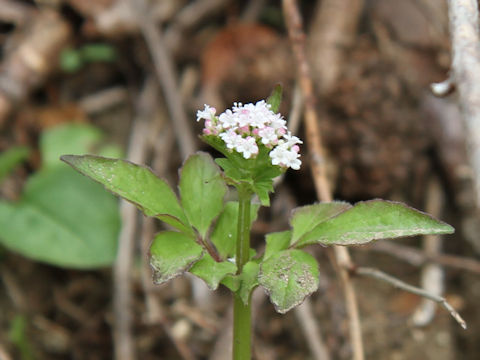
244	129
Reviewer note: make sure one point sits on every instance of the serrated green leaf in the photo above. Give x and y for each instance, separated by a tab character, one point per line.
374	220
10	158
212	272
171	254
202	190
135	183
289	277
275	98
63	219
263	189
248	280
277	242
306	218
224	234
68	138
231	170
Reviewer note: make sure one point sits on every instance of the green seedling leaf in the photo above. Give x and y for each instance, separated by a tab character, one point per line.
98	53
224	235
277	242
17	335
306	218
171	254
71	60
10	158
202	190
212	272
374	220
73	139
289	277
248	280
135	183
275	98
63	219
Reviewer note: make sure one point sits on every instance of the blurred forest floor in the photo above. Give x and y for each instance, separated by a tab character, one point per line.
105	63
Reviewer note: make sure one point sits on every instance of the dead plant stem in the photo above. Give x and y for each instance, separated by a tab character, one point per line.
318	168
380	275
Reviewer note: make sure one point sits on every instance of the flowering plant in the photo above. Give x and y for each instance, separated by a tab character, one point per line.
211	235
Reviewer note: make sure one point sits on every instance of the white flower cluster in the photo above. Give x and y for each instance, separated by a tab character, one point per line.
246	127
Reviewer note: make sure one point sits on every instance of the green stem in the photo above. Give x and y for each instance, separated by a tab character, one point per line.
242	317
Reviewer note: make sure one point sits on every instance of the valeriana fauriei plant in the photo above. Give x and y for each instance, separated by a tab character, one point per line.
210	236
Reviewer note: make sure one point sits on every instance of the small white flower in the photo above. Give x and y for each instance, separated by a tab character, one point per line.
231	138
208	113
247	147
268	135
245	127
291	140
228	119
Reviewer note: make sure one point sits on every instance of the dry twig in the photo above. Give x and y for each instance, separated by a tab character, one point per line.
122	299
380	275
32	59
188	17
417	257
164	68
15	12
432	274
310	328
464	27
314	140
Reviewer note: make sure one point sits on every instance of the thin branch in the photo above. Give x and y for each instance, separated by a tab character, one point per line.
188	17
310	328
252	11
417	257
15	12
314	140
122	270
103	100
432	277
464	27
165	71
380	275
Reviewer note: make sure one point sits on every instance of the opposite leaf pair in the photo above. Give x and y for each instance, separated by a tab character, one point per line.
206	228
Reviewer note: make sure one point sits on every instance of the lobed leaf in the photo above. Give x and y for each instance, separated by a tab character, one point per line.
374	220
289	276
202	190
171	254
136	184
212	272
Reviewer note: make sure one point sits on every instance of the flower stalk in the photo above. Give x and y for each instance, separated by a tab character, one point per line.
242	317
